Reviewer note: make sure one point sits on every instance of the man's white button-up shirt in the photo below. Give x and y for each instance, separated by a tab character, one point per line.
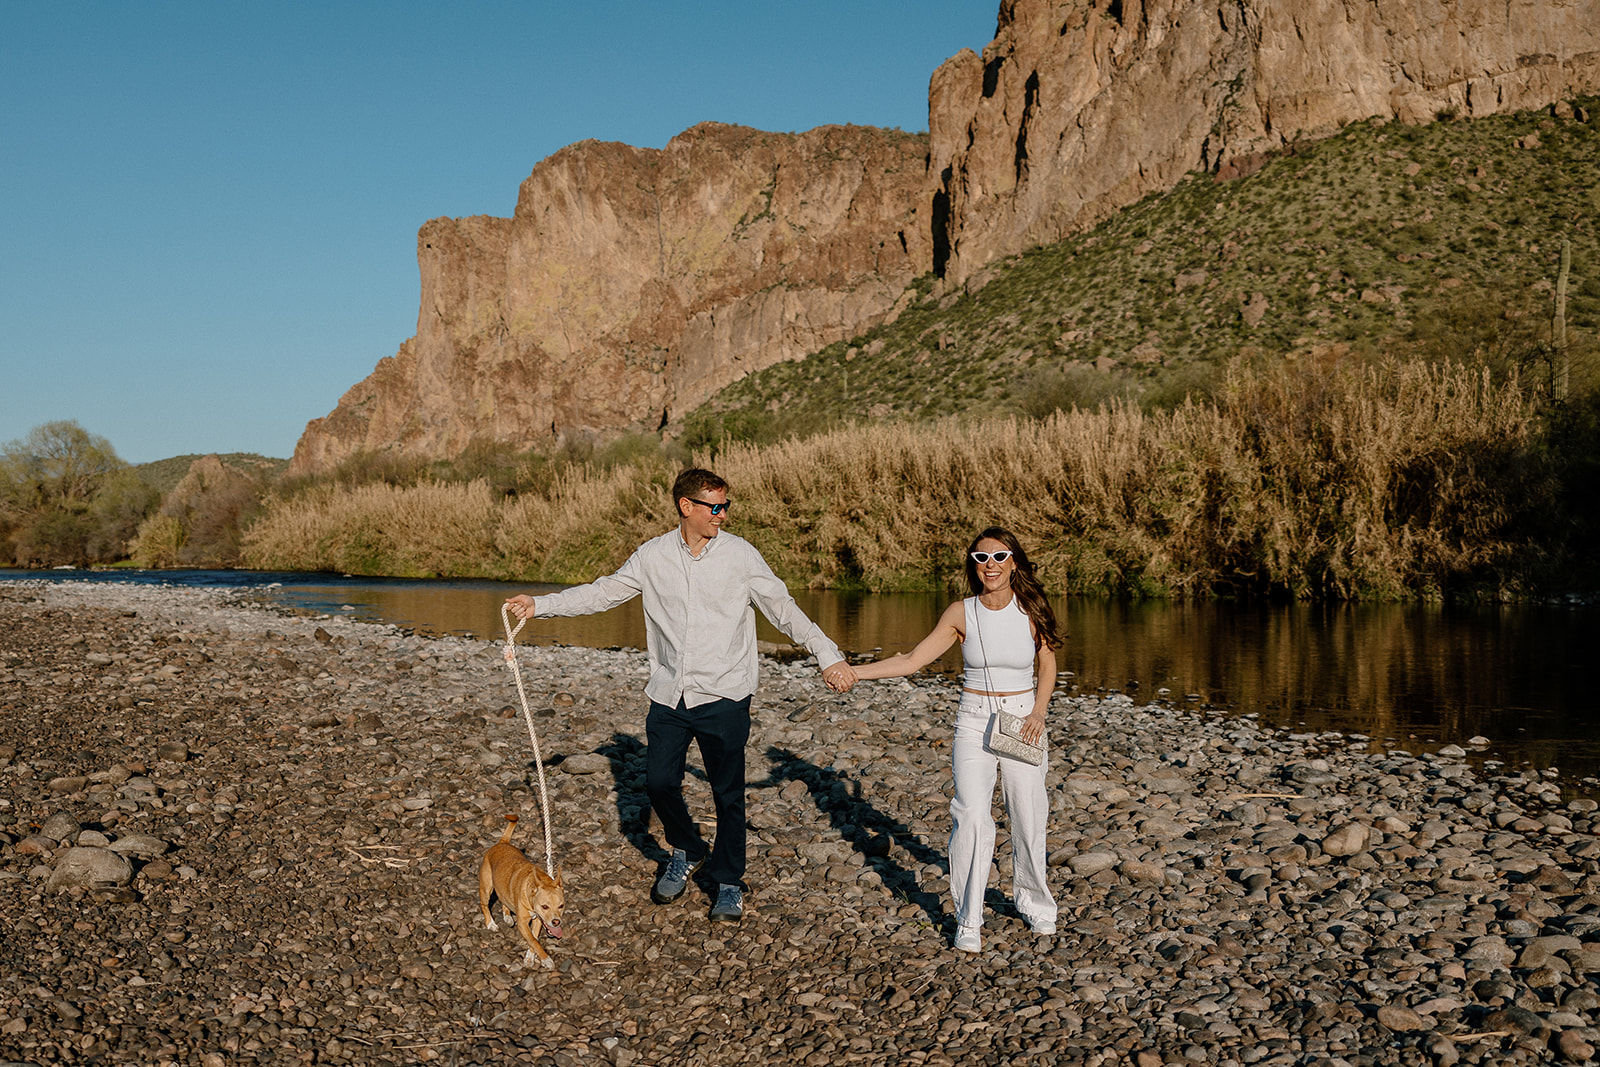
700	626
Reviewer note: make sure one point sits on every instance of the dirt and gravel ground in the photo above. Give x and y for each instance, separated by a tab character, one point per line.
231	835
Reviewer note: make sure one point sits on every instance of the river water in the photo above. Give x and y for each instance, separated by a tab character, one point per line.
1411	676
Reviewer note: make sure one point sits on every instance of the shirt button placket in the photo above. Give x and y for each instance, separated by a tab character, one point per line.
687	635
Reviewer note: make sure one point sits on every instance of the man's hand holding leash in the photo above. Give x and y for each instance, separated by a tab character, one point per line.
522	608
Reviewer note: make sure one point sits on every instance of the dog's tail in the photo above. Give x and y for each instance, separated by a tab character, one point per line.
511	828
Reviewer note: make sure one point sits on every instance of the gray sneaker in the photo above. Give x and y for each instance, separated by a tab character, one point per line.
675	879
730	904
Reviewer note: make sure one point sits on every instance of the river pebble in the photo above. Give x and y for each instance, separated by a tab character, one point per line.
285	816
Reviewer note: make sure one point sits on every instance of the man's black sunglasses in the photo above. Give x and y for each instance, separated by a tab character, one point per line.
716	509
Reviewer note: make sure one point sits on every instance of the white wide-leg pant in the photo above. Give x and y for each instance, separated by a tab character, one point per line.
972	819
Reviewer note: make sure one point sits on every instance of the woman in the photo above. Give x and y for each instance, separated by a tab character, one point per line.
1008	644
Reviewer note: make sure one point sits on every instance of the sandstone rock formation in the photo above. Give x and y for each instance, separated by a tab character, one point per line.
1078	109
632	283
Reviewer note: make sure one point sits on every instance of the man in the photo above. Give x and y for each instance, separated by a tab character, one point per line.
699	586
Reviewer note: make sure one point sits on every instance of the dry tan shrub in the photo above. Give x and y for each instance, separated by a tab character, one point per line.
588	524
1374	480
1313	480
429	530
893	506
158	542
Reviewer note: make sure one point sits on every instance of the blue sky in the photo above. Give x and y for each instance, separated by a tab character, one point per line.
208	211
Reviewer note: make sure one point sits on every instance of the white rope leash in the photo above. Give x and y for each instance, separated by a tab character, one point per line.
527	716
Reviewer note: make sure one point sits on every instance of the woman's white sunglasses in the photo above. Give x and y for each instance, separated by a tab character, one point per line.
985	557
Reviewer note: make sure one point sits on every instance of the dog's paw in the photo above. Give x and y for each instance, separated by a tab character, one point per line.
493	925
549	964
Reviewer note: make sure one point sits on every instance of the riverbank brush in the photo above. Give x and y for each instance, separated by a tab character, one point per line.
1307	479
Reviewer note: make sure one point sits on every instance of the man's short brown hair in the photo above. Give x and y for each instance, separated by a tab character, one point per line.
694	481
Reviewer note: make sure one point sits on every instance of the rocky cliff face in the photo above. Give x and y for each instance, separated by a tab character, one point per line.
1078	109
631	283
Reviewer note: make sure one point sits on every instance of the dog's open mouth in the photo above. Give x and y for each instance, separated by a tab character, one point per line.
552	928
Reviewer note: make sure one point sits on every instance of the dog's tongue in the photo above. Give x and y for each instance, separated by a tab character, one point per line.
554	930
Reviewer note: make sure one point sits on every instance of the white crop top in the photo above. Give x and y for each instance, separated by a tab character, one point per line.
998	651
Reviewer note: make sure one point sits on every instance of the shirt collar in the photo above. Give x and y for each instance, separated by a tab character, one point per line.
677	535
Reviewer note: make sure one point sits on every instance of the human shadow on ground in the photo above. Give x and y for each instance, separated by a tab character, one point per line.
837	794
869	831
633	805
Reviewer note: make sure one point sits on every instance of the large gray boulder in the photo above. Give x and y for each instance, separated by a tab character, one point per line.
91	868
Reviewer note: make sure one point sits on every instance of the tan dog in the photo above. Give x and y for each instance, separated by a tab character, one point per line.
524	888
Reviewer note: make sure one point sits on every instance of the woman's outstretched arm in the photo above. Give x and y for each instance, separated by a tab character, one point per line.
950	628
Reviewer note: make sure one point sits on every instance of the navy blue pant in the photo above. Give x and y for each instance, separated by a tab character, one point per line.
721	729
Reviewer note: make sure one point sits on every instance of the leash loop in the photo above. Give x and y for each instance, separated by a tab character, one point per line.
527	716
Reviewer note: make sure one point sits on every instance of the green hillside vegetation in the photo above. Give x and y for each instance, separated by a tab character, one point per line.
507	471
1440	241
165	474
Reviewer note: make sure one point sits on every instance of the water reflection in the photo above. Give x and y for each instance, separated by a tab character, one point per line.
1421	675
858	622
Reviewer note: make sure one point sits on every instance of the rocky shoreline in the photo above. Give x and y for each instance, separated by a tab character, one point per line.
285	816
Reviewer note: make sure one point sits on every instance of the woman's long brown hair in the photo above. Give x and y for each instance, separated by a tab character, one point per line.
1024	585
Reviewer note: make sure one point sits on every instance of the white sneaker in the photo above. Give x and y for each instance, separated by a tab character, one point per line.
967	939
1040	926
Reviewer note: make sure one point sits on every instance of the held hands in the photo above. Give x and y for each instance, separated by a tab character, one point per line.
840	677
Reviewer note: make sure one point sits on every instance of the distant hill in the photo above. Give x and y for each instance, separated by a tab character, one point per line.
1441	239
165	474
